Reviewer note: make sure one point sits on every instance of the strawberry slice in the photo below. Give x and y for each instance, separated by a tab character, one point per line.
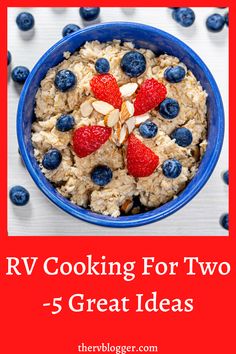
141	161
150	95
105	88
86	140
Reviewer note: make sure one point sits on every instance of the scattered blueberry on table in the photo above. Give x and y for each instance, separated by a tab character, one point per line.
19	195
102	66
52	159
19	74
224	221
215	23
227	19
89	13
101	175
174	74
184	16
171	168
183	137
148	129
65	123
169	108
226	177
25	21
133	64
65	80
70	28
8	57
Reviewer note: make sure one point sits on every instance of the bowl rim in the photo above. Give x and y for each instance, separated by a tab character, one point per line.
149	216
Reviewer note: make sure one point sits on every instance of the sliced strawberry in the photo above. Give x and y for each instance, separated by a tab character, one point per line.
150	95
105	88
86	140
141	161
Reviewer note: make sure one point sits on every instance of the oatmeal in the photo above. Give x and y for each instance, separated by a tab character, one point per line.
119	130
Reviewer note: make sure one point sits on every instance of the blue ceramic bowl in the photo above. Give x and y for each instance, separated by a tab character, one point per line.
142	36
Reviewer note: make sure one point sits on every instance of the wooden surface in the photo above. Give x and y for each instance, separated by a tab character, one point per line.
40	217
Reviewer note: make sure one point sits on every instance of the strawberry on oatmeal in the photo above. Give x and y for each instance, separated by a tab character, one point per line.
119	130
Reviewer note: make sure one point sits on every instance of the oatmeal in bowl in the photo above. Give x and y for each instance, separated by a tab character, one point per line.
121	130
129	133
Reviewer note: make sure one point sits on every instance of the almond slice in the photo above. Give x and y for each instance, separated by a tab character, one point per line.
112	118
86	108
142	118
102	107
127	111
126	206
129	89
130	124
123	134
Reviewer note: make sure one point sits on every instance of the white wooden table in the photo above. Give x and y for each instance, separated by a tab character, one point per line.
40	217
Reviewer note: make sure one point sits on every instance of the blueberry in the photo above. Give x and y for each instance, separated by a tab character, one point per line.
171	168
174	74
65	80
25	21
52	159
226	177
102	66
169	108
8	57
224	221
133	64
183	137
184	16
101	175
89	13
227	19
68	29
19	195
19	74
215	23
65	123
148	129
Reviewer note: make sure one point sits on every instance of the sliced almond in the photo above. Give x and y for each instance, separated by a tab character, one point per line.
130	124
126	206
140	119
123	134
127	111
129	89
86	108
102	107
112	118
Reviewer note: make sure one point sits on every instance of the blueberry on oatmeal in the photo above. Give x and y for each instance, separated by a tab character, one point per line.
169	108
52	159
148	129
101	175
171	168
65	80
65	123
102	66
133	64
183	136
174	74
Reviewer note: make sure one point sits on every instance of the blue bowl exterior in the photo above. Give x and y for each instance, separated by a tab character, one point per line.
142	36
